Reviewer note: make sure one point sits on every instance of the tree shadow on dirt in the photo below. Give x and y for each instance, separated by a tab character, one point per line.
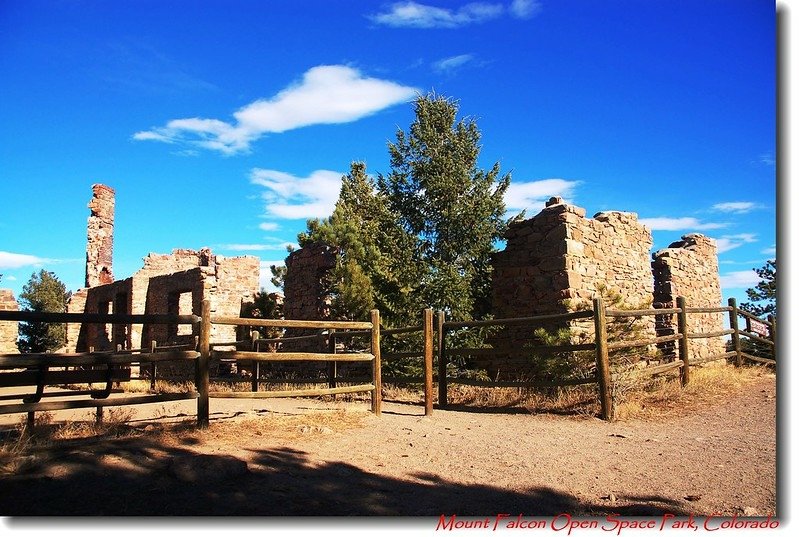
145	476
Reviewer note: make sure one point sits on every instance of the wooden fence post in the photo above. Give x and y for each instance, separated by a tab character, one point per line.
331	366
427	328
202	365
602	361
773	333
256	365
442	362
682	328
376	372
736	338
153	367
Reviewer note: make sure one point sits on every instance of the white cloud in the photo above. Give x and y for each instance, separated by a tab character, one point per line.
269	226
293	197
524	9
9	260
327	94
728	242
771	250
415	15
10	278
742	279
736	207
532	195
452	64
678	224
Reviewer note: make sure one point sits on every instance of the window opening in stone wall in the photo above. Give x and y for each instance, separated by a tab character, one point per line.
121	331
180	303
104	337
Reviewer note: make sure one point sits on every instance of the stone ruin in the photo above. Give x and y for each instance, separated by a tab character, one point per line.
554	262
557	262
689	268
175	283
100	244
9	331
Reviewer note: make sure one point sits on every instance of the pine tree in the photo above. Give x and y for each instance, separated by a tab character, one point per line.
44	292
453	209
764	291
373	252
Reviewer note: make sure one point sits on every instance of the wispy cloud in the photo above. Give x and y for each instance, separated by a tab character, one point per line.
269	226
10	260
288	196
452	64
679	224
725	243
771	250
327	94
415	15
738	207
741	279
525	9
532	195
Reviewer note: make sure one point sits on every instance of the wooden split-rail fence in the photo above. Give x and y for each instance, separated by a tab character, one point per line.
109	368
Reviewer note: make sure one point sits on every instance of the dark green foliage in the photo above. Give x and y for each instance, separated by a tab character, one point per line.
764	294
278	278
264	306
422	235
375	256
453	209
44	292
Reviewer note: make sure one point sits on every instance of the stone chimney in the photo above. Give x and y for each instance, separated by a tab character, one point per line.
100	237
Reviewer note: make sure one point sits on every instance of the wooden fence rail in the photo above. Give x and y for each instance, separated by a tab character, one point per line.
601	346
39	370
758	334
331	357
426	353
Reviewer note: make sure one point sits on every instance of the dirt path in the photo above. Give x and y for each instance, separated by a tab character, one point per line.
716	460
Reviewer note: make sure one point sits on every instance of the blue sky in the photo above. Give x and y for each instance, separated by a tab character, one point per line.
228	124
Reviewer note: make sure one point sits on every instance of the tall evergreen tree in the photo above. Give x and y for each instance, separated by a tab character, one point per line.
454	209
44	292
764	294
373	251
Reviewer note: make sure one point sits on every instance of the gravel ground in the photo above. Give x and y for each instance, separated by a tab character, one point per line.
715	460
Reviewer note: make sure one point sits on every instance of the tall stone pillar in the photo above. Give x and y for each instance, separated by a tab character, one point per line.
100	237
9	330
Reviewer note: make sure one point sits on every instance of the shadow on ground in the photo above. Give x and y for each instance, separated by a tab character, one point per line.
145	476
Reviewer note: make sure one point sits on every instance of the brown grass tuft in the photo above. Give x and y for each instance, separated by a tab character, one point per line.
665	397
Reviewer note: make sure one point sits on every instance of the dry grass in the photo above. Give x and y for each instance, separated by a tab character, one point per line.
665	397
635	397
16	444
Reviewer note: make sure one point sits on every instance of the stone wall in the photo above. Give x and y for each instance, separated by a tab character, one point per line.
305	291
9	330
304	288
689	268
227	282
114	297
557	261
100	237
